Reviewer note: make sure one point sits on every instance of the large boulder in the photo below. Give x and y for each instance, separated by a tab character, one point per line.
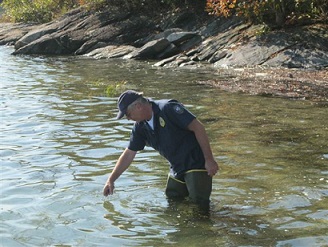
10	33
79	32
294	49
170	43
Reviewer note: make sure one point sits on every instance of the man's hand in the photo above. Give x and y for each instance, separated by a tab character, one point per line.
108	188
212	167
121	165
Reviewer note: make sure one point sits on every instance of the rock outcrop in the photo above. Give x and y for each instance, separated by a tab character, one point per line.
179	39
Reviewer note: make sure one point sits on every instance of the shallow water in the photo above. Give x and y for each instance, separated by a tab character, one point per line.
60	140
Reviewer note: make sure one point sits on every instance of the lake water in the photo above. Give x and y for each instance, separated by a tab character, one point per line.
60	140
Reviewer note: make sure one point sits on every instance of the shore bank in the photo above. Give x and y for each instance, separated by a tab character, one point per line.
291	62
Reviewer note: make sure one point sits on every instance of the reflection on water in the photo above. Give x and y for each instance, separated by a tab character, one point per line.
60	139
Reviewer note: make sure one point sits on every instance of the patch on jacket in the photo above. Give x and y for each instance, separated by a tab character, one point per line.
161	122
178	109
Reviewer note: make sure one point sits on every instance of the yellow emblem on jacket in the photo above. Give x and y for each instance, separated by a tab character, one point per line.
161	122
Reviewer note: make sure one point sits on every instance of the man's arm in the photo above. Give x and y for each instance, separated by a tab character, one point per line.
122	164
202	138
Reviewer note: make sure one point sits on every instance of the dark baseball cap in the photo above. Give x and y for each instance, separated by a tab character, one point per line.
126	99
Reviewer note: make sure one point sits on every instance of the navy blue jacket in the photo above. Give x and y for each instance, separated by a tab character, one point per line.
170	137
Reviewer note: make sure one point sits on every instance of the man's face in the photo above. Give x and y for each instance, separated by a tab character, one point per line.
135	112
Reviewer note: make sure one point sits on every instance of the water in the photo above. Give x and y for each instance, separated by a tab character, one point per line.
60	140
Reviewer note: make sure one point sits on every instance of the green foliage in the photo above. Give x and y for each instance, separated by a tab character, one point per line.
94	4
38	11
261	31
23	10
279	12
41	11
116	88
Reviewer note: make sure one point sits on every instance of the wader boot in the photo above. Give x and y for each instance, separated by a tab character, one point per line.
199	185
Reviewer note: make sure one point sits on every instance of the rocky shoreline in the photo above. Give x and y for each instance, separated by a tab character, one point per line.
292	62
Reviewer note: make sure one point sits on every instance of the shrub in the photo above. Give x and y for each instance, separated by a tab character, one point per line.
38	11
41	11
278	12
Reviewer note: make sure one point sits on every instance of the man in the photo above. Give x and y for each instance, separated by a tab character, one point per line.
168	127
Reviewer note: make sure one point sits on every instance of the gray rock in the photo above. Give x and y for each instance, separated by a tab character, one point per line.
155	36
163	62
10	33
249	54
149	50
299	58
186	20
169	51
79	32
218	55
219	25
111	51
192	43
178	38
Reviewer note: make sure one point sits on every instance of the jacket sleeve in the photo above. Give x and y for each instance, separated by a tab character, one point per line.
137	140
